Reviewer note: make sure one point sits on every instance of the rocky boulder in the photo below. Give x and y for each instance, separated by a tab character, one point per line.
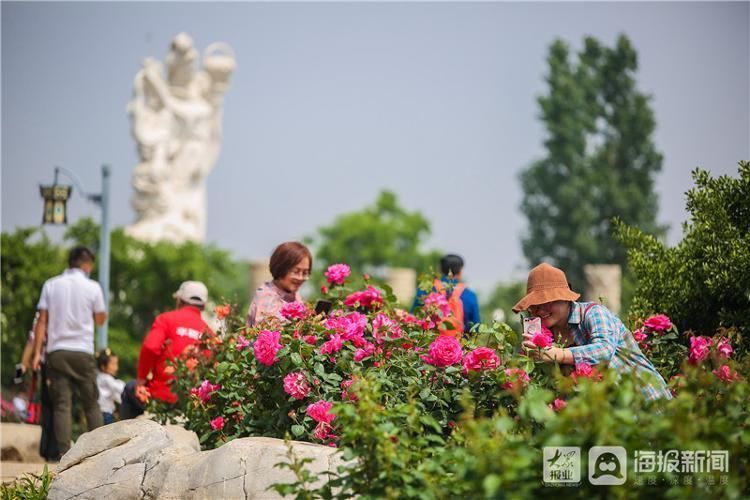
140	459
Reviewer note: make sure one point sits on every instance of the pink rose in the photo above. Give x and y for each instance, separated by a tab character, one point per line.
364	352
723	347
438	301
295	384
480	359
727	374
444	351
205	391
699	349
324	290
323	431
311	339
558	404
369	298
331	345
294	310
320	411
266	346
382	325
337	274
517	379
639	335
346	392
217	424
658	323
542	339
242	343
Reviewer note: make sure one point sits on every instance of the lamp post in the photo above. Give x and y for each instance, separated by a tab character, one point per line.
55	212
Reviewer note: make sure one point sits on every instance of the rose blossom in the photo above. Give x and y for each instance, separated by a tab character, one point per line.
242	343
370	298
639	335
191	363
346	392
320	411
439	301
337	274
543	338
266	346
295	384
311	339
217	424
723	347
222	311
332	345
727	374
557	404
444	351
480	359
205	391
294	310
365	352
517	379
658	323
699	349
323	431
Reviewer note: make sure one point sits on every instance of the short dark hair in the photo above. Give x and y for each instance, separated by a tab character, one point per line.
80	255
451	264
286	256
102	359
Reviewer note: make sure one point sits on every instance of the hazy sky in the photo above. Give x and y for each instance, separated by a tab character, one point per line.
332	102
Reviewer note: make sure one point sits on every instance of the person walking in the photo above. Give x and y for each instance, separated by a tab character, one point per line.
69	306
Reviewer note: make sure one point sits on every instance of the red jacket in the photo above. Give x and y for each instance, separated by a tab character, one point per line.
170	334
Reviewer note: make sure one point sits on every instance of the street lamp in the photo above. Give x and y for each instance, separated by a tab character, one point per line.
55	212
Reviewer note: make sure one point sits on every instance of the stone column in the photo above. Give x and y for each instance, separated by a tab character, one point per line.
603	284
403	281
259	274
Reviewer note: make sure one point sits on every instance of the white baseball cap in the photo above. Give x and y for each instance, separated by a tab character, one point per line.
192	292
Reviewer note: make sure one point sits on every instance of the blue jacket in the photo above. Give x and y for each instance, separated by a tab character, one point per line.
468	298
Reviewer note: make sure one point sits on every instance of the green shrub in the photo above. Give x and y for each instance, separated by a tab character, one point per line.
702	283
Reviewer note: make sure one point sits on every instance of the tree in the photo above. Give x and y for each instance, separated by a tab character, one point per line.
29	258
600	163
379	236
703	282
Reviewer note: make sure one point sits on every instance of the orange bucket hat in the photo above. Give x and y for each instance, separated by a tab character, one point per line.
545	284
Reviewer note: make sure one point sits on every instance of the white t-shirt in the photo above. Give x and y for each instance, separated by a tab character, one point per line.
110	391
71	300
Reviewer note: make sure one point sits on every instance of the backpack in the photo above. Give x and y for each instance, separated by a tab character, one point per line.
453	324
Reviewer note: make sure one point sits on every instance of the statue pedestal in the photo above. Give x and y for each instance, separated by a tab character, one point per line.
403	281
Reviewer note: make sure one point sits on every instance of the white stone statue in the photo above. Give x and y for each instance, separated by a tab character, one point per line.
176	122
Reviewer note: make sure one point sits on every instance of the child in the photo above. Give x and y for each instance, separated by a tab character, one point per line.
110	388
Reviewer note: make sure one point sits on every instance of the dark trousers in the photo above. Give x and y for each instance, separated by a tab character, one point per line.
130	407
68	371
48	442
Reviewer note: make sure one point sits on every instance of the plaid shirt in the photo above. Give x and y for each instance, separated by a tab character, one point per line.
601	337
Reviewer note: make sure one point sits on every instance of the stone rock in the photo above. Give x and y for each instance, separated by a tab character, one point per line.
20	442
114	460
142	459
243	468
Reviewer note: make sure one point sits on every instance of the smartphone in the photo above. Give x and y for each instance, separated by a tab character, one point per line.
532	325
323	306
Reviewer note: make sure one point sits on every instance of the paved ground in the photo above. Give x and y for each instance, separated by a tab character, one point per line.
12	470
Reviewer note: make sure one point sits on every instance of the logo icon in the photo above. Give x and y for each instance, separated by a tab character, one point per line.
562	464
608	465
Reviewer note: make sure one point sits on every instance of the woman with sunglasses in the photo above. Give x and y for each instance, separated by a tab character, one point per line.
290	266
589	332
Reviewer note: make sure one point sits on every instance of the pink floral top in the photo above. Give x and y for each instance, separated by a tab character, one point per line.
268	301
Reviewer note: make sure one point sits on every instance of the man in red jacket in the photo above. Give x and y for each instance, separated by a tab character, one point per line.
171	333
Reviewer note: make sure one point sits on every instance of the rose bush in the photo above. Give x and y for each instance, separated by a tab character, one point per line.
422	414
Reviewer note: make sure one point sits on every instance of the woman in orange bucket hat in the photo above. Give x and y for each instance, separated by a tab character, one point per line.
589	332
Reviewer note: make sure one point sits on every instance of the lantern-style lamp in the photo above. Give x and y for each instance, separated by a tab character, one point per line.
55	203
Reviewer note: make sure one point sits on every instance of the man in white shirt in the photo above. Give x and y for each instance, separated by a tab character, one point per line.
69	306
